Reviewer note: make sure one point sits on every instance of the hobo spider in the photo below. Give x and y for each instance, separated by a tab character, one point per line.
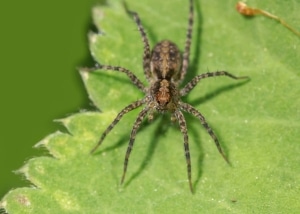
164	68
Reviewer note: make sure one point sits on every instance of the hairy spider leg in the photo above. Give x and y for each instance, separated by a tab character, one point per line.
191	84
190	109
136	126
124	111
186	53
183	128
147	52
134	79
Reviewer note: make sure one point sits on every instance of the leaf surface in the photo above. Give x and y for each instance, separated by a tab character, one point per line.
257	122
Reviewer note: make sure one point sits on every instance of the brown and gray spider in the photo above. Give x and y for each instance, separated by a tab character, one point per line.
164	68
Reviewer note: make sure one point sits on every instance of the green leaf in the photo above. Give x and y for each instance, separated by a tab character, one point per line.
257	122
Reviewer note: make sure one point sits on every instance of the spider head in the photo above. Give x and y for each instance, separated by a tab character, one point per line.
165	95
162	93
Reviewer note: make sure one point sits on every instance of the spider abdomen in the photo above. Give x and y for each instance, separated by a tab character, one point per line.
165	60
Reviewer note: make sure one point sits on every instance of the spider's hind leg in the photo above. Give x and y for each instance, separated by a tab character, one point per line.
186	54
147	52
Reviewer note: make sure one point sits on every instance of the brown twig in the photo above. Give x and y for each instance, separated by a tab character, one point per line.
245	10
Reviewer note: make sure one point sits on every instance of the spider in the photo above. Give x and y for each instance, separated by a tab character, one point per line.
164	68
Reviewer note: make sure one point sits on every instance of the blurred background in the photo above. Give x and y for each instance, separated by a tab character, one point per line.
42	43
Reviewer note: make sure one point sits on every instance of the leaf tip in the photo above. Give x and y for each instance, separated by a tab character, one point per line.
23	170
3	203
92	37
42	143
84	74
98	15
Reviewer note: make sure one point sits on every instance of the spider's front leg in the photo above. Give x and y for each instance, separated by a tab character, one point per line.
134	130
124	111
183	128
190	109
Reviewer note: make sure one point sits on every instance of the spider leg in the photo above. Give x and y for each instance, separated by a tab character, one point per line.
134	79
190	109
136	126
186	54
190	85
147	53
124	111
183	128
